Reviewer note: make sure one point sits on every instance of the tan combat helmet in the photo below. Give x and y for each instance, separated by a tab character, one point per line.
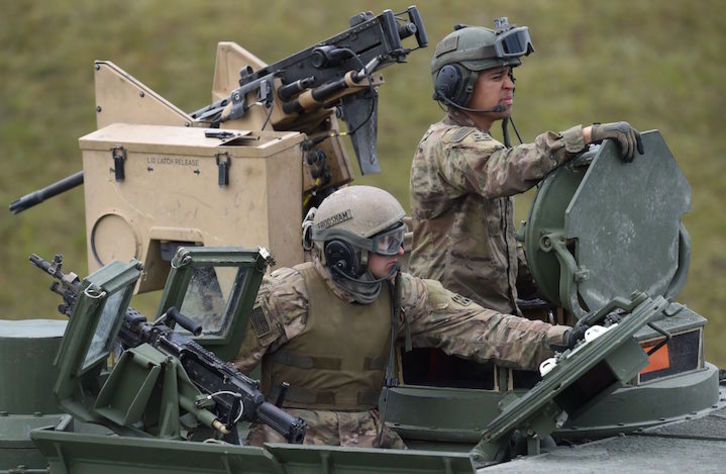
353	221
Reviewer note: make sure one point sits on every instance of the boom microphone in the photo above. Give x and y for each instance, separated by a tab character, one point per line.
496	109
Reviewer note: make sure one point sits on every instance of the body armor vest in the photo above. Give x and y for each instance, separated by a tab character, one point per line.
338	361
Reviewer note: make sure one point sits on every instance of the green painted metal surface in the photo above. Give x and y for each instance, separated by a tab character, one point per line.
86	453
577	379
601	231
216	288
626	219
87	343
27	350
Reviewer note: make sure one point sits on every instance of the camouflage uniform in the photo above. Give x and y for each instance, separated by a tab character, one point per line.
435	318
462	181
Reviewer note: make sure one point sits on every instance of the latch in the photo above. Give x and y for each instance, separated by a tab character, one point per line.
223	166
119	156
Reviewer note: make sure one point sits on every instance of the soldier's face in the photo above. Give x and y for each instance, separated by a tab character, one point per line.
494	87
381	265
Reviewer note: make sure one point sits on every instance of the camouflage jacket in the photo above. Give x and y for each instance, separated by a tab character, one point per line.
462	181
435	316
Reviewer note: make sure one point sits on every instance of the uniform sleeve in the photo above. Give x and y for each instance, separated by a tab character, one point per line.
473	162
440	318
280	313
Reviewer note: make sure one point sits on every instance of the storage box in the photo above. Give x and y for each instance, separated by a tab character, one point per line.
151	188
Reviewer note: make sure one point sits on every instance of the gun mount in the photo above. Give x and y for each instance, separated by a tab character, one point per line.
266	149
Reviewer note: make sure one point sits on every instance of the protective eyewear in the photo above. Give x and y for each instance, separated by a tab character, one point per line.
513	42
389	242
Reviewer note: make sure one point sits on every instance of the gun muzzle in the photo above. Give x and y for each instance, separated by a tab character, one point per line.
293	429
36	197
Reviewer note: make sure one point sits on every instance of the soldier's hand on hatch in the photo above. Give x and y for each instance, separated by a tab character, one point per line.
569	338
627	137
574	335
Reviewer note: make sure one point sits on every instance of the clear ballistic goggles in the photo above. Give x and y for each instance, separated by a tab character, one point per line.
386	242
513	42
389	241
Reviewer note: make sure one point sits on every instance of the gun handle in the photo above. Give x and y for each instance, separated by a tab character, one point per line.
184	321
415	17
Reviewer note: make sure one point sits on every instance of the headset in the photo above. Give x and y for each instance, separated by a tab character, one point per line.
454	85
341	257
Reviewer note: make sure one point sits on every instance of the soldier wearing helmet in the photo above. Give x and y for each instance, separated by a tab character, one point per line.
328	327
463	180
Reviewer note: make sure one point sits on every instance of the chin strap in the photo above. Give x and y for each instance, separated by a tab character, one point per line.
366	288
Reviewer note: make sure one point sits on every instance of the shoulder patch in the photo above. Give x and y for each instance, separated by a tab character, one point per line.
462	300
461	133
259	322
481	137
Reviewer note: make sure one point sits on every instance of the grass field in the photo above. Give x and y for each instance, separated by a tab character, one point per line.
659	65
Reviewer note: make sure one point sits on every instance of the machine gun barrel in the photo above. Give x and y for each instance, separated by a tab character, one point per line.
36	197
236	397
213	376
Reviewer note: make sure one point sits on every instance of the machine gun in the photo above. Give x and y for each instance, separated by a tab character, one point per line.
337	69
227	393
299	93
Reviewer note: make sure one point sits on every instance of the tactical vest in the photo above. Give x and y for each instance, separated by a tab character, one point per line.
338	361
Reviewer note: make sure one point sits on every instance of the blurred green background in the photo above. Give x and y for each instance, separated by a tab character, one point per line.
656	64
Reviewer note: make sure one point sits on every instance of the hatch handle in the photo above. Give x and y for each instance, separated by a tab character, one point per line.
668	336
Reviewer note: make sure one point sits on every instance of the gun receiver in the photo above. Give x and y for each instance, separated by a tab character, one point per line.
338	70
229	394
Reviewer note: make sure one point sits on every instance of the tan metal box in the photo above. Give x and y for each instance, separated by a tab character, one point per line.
151	184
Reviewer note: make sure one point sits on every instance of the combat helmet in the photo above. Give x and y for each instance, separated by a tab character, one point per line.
350	223
469	49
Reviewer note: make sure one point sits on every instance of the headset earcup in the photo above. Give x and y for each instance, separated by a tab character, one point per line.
340	254
454	83
447	82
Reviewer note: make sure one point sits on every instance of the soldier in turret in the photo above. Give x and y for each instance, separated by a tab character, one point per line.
463	180
328	327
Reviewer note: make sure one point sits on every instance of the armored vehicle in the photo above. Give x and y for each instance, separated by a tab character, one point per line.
110	390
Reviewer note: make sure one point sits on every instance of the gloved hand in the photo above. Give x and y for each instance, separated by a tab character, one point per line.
571	337
574	335
627	137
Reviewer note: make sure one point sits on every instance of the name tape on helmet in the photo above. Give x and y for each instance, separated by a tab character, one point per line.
335	219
